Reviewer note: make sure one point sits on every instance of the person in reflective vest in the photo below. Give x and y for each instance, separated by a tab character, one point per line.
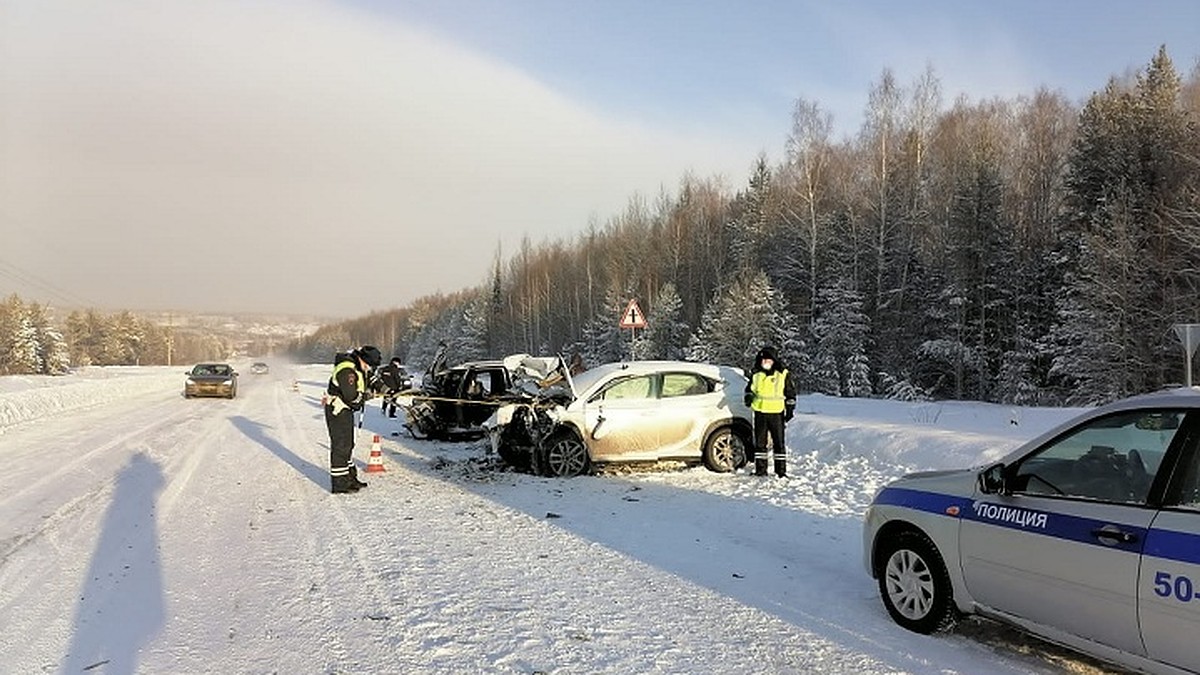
772	396
345	395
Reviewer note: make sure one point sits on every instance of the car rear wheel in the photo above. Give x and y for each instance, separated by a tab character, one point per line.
564	455
914	584
724	451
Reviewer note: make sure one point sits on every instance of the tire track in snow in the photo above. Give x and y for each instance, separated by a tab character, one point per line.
82	463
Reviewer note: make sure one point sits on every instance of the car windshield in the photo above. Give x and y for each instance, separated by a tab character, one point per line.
210	369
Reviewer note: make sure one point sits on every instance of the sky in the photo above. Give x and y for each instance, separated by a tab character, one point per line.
335	157
121	554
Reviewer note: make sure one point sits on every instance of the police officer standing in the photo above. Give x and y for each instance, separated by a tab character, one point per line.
772	396
346	394
392	376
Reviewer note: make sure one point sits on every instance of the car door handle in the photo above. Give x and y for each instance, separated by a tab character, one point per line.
1119	535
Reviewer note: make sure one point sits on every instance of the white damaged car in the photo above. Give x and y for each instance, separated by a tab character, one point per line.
640	411
1087	536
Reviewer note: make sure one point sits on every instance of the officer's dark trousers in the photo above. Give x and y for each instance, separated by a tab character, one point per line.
769	424
341	444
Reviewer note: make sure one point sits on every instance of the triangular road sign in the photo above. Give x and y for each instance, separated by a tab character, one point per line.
633	316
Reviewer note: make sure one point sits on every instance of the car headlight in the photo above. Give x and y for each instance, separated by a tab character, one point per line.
228	383
191	382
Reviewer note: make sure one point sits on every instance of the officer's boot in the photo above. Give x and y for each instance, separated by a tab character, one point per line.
342	485
358	484
781	464
760	462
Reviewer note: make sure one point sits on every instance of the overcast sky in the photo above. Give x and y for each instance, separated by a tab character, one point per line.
338	157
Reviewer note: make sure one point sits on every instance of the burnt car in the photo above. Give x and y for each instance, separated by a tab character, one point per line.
452	403
211	379
644	411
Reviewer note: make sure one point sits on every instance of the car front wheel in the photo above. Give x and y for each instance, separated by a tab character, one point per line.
724	451
914	584
564	455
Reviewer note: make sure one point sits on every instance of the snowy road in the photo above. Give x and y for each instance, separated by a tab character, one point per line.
153	534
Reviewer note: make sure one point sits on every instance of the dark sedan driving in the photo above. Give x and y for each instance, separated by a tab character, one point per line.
211	379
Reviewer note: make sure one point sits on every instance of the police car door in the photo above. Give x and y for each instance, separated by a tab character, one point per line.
1063	549
1169	591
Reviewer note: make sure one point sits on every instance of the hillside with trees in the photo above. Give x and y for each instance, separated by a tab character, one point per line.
33	341
1028	251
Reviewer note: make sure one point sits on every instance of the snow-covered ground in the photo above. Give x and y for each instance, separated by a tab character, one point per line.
146	533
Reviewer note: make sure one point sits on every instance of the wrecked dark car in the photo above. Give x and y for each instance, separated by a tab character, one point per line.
454	402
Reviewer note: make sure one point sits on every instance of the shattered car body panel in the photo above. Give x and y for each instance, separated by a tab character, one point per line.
455	402
644	411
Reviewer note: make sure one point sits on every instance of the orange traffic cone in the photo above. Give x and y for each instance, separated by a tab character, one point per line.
375	460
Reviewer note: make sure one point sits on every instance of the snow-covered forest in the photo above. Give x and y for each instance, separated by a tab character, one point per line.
1023	251
34	340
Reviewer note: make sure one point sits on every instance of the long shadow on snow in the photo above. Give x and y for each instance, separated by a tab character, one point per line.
670	527
121	604
256	432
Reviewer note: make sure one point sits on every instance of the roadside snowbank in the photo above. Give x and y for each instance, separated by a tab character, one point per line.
27	398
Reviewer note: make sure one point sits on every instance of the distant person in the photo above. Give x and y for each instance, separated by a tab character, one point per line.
346	394
772	396
393	377
576	367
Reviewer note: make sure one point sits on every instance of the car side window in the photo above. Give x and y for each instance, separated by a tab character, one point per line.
1112	458
1188	495
684	384
630	388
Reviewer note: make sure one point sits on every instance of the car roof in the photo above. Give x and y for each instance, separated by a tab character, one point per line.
592	375
478	364
1177	397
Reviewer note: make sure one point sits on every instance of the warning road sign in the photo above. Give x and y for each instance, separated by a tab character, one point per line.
633	317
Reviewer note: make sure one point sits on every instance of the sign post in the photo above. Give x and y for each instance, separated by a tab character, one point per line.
1189	335
633	318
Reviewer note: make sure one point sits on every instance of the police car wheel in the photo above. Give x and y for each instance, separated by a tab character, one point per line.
724	451
914	584
564	455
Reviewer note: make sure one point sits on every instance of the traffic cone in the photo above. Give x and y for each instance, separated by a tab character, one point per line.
375	460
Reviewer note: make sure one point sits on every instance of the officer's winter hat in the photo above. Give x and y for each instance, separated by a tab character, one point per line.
370	355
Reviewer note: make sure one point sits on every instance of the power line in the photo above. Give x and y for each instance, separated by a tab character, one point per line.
31	280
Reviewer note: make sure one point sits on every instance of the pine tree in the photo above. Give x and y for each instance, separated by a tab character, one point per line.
666	334
841	331
739	321
748	231
53	356
20	339
467	336
983	258
1123	260
9	321
603	341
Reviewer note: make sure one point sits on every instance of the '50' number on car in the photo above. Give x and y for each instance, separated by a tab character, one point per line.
1181	587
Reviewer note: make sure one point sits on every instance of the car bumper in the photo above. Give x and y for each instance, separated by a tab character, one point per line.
209	390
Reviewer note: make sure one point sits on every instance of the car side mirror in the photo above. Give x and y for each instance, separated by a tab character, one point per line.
993	480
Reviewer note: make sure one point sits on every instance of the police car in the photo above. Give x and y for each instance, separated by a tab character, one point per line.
1087	536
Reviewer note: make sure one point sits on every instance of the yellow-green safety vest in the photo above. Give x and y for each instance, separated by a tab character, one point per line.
342	365
768	391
